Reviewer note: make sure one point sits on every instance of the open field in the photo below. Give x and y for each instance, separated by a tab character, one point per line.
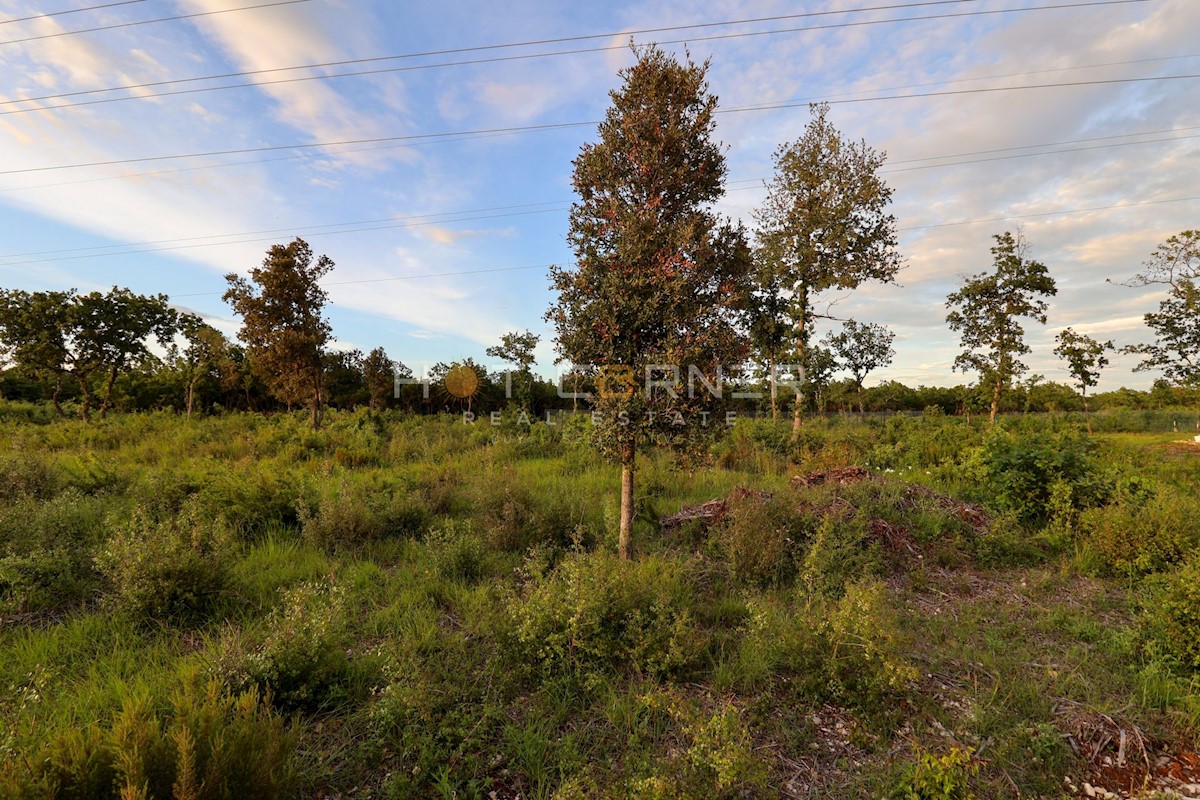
409	607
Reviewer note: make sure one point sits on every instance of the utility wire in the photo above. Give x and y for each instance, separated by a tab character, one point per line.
521	57
69	11
135	23
561	205
480	48
566	125
913	228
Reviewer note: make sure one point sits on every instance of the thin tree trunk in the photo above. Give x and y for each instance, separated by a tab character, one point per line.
57	394
862	412
801	351
1087	414
191	393
774	388
85	409
627	465
995	402
112	379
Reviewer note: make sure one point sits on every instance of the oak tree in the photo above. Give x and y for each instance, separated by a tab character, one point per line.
659	279
1176	351
1085	358
824	223
283	326
516	348
861	348
380	374
987	312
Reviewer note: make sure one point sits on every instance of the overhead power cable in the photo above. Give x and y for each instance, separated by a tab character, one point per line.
560	205
913	228
566	125
135	23
69	11
519	57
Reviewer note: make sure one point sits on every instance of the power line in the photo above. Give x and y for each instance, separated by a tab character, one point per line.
914	228
411	221
565	125
69	11
135	23
454	51
520	57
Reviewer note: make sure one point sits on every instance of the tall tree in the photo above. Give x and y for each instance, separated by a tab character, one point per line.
1085	358
36	329
201	357
658	278
1176	352
862	348
516	348
824	223
282	306
380	374
988	309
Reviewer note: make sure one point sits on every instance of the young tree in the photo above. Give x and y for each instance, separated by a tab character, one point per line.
658	278
201	358
770	324
281	307
987	311
517	349
819	368
824	224
1085	358
1176	264
862	348
380	375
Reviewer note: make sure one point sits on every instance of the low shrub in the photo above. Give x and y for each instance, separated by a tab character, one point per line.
596	613
934	777
349	515
762	539
173	568
301	663
1036	475
458	552
1171	617
46	551
208	745
1138	539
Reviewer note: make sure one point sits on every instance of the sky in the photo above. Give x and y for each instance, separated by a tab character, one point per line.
442	219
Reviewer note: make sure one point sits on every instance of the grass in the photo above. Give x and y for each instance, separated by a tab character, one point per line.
410	607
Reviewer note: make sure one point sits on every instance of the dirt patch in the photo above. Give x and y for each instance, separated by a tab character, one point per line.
1122	761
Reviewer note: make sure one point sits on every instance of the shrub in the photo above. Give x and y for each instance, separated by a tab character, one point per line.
1171	616
172	569
1141	539
26	475
1029	474
46	551
933	777
458	552
301	662
515	516
350	515
209	745
760	539
596	613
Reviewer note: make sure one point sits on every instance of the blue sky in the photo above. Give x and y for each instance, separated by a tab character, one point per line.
494	203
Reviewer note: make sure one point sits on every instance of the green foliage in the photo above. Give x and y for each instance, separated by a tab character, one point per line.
206	745
301	662
169	569
1171	616
458	552
350	514
987	310
596	614
46	550
1176	264
1035	474
934	777
761	539
1133	538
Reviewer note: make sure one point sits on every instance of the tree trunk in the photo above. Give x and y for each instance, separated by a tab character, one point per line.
191	393
112	379
774	388
85	408
58	394
627	464
862	412
1087	414
995	402
801	352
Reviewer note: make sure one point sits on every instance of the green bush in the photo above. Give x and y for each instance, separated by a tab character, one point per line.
934	777
352	514
1171	616
514	515
458	552
595	613
1036	474
761	539
1139	539
208	745
301	663
46	551
171	569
